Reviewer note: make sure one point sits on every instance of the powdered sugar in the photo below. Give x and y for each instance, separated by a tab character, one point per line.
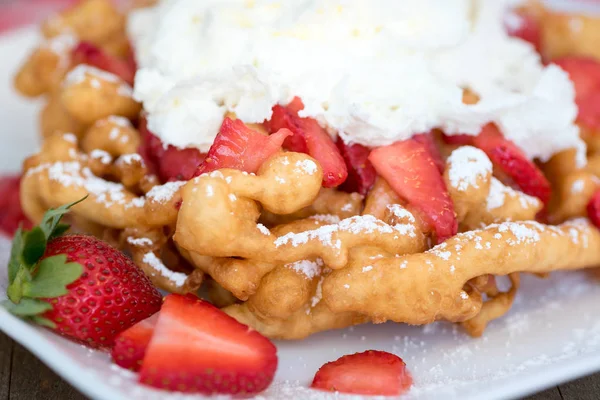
130	159
152	260
164	193
101	156
80	74
139	241
367	268
499	192
306	166
309	269
365	224
467	165
263	229
577	186
119	121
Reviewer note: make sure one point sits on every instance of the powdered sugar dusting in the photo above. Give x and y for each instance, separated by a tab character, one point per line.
306	166
263	229
308	268
152	260
364	224
499	192
164	193
467	164
101	156
139	241
80	73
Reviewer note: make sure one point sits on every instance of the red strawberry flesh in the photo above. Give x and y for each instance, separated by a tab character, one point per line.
593	209
239	147
111	295
514	163
196	348
410	169
361	174
375	373
11	213
168	162
90	54
310	138
428	141
585	74
130	345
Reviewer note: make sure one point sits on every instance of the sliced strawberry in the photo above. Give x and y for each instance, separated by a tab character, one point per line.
409	168
524	26
310	138
239	147
593	209
375	373
585	74
428	141
11	213
513	162
458	140
89	53
361	174
197	348
168	162
130	345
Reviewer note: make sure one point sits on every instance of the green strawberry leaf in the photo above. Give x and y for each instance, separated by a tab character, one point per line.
59	231
34	246
43	321
52	277
27	307
52	218
14	264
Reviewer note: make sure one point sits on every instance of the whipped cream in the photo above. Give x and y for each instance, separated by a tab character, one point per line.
373	72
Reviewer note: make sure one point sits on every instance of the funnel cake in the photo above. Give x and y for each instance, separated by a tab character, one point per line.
233	188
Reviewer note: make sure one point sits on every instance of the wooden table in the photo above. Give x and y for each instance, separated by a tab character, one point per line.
23	377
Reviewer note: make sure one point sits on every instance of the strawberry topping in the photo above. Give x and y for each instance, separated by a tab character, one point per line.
361	174
428	141
239	147
168	162
585	74
523	25
197	348
130	345
90	54
310	138
513	162
593	209
11	213
458	140
375	373
410	169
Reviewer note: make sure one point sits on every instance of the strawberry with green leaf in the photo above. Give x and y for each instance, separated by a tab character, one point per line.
77	285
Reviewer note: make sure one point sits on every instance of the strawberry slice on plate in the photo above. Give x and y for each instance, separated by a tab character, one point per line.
310	138
76	285
197	348
375	373
513	162
239	147
168	162
585	74
11	213
130	345
409	168
89	53
593	209
361	174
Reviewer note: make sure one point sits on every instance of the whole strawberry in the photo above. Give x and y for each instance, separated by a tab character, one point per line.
77	285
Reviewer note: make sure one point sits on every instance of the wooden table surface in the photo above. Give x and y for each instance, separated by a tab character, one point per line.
23	377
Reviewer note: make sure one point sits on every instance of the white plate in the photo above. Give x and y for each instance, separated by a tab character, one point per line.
551	335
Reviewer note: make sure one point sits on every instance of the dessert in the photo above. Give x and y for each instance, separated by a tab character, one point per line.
315	166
